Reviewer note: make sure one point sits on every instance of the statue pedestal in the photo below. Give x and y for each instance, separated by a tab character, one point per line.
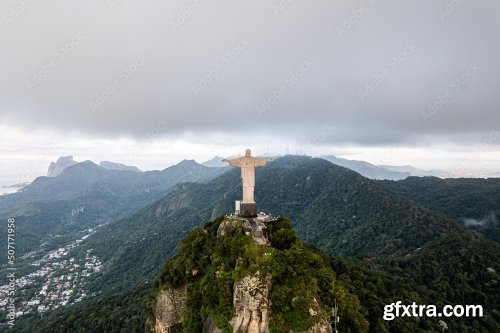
248	210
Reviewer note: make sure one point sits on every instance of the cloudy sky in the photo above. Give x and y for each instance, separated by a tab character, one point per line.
150	83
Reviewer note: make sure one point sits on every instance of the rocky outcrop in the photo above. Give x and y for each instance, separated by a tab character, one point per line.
168	207
118	166
227	226
251	227
251	294
55	169
168	312
251	303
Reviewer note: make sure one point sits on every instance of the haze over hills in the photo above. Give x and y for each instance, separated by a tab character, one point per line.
44	208
366	169
415	172
383	171
63	162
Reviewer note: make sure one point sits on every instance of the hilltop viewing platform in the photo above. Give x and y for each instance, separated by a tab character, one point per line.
253	226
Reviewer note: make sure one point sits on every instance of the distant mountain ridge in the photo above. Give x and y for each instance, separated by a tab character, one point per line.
215	162
415	172
64	162
383	171
118	166
365	169
43	207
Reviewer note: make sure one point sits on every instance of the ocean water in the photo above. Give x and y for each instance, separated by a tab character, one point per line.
9	189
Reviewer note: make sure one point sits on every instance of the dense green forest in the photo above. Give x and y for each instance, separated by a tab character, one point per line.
473	202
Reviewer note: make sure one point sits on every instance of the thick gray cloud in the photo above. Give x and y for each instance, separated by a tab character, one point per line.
365	72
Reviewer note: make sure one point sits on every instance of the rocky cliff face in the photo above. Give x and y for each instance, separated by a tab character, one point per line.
250	299
213	264
55	169
251	304
168	311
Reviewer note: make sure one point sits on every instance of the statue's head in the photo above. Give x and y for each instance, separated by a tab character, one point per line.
248	153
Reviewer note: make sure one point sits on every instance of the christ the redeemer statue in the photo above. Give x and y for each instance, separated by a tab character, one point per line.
248	163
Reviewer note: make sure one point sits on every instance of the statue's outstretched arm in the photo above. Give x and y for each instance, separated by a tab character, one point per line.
234	162
262	161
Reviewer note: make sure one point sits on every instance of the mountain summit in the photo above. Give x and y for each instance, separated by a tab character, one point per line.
118	166
225	280
215	162
55	169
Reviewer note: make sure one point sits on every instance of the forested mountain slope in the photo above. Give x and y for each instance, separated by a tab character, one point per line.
55	210
473	202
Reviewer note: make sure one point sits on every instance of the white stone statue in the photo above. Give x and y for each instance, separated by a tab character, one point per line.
248	163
